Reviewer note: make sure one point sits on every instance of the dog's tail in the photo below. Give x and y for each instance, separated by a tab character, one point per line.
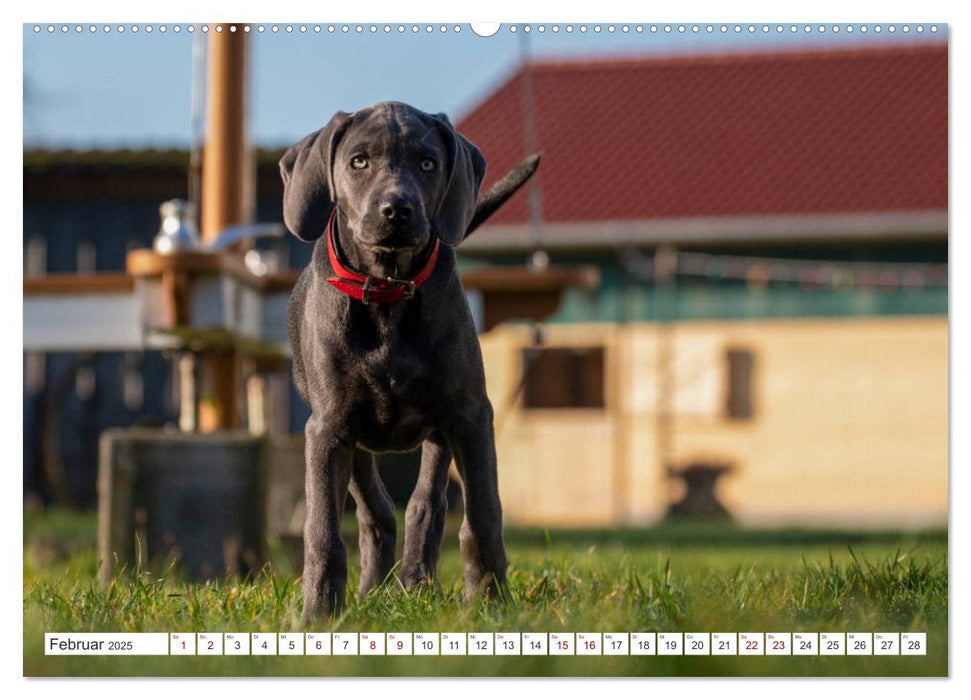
500	192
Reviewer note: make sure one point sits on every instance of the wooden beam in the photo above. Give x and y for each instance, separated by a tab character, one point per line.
148	263
70	283
145	262
517	279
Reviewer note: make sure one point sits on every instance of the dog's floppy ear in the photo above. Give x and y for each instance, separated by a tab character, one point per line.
467	168
308	190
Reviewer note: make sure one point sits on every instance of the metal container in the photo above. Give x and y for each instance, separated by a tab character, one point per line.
178	228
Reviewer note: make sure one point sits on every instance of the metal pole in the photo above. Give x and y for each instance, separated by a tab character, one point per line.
665	262
198	124
539	260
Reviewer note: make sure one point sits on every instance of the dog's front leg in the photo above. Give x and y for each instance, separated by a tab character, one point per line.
325	556
480	539
375	521
425	516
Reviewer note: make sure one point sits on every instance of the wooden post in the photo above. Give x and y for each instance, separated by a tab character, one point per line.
223	202
223	160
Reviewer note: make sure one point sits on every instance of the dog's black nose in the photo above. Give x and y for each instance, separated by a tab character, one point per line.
396	210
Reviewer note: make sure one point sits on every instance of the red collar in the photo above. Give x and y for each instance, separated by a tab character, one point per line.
373	290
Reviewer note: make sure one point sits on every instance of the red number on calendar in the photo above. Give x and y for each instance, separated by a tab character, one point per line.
778	645
590	644
210	647
374	645
400	645
752	644
183	644
563	644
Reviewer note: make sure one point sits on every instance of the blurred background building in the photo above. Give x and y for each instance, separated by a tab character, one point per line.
771	231
771	324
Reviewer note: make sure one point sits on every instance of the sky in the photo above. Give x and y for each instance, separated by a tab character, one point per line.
125	89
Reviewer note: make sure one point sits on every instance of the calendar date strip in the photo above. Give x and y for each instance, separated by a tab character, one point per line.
486	644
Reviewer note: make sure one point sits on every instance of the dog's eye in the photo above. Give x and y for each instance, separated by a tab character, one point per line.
359	162
427	164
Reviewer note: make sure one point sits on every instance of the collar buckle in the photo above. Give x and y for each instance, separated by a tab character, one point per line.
407	286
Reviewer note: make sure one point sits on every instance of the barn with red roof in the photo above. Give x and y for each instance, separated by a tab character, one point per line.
656	146
771	235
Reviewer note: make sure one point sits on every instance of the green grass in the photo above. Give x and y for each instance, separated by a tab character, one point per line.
674	578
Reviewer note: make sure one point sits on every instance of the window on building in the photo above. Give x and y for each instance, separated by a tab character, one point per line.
739	397
564	378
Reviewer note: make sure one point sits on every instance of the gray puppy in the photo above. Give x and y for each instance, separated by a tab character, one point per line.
384	347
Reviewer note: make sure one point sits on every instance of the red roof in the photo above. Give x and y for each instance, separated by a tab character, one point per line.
729	135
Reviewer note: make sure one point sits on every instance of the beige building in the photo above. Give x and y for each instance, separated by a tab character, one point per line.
847	426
